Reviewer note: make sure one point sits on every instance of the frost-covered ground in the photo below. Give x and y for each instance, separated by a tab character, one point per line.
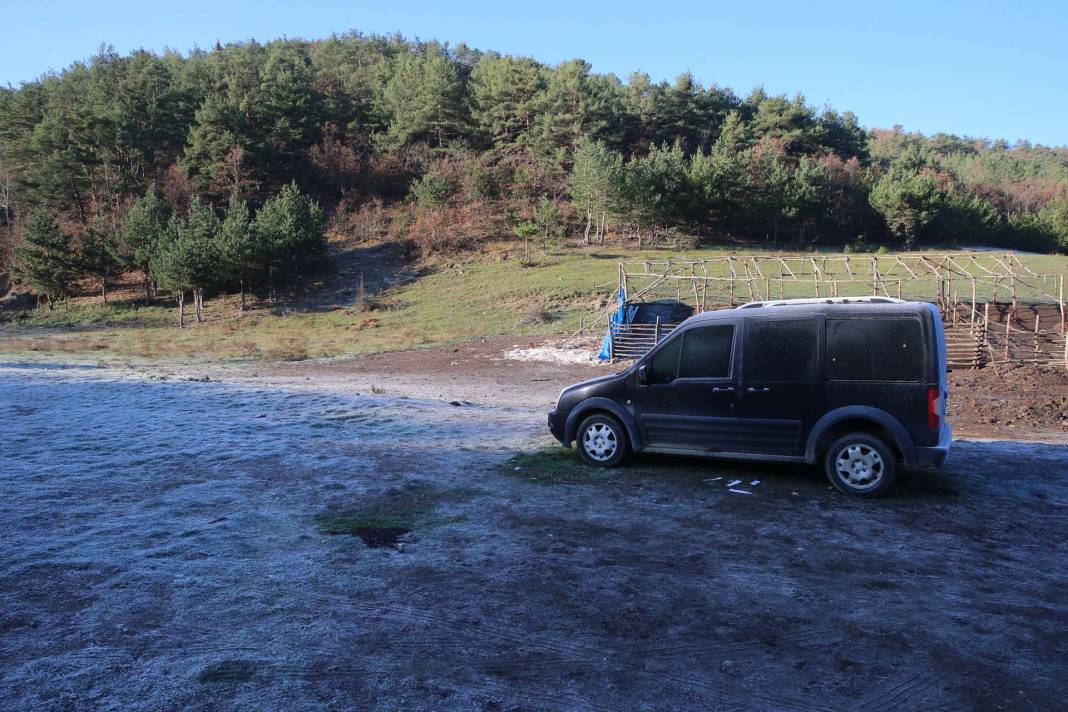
553	354
170	544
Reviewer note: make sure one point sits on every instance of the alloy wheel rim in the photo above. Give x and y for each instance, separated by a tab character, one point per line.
600	442
860	466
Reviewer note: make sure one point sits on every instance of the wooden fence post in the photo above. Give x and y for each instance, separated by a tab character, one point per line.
973	303
1060	301
1008	320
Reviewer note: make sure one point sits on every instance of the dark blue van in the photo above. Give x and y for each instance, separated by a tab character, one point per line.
858	385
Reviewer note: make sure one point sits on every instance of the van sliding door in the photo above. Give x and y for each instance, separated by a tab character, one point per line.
782	384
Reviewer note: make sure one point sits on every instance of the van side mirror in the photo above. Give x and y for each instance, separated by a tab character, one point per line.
643	375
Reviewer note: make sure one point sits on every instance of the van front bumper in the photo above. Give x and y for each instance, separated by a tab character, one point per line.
557	421
936	455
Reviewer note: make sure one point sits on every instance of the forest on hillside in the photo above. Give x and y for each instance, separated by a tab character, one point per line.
221	168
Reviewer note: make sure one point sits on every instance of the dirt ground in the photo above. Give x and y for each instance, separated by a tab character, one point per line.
397	532
1005	401
1010	401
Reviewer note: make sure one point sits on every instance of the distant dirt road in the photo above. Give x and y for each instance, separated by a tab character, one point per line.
172	544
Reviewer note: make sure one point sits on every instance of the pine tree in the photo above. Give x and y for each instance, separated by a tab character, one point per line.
907	201
188	257
139	236
288	231
505	92
238	246
425	99
596	183
97	254
45	261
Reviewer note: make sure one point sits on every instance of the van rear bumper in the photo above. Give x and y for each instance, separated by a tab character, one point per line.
936	455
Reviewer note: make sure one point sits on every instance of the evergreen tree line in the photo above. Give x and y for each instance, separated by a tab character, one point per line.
184	254
451	135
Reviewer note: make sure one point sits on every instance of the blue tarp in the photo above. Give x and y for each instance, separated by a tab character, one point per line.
624	315
666	311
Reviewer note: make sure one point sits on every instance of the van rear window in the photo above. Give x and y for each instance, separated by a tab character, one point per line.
875	350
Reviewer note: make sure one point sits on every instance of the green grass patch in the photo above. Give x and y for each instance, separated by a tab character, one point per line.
477	296
372	526
229	671
555	465
69	315
354	523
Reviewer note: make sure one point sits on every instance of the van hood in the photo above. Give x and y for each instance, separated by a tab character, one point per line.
578	391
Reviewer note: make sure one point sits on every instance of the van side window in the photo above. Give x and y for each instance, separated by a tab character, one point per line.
706	352
779	351
664	366
875	350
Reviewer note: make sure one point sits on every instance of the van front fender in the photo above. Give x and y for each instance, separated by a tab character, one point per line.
609	406
897	431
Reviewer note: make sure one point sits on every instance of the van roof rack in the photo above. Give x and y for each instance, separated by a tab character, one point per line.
822	300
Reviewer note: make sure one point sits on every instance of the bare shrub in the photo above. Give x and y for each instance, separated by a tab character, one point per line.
292	347
537	314
450	230
337	164
247	349
177	188
368	223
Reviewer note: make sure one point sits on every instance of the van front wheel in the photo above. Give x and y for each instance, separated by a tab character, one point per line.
602	441
861	464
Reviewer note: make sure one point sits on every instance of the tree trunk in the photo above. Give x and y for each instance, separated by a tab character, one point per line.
589	225
181	309
600	230
198	301
241	309
148	289
104	289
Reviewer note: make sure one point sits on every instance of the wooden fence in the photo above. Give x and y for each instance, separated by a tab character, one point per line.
991	333
631	341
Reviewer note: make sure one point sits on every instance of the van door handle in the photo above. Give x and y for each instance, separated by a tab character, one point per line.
723	389
751	389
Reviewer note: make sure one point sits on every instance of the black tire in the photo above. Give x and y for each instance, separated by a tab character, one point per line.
861	464
602	441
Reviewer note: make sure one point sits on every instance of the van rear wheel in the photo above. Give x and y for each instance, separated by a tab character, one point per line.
602	441
861	464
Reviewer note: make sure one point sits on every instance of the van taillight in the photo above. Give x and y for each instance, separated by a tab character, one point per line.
935	408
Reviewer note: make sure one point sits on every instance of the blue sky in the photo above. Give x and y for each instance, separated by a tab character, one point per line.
980	68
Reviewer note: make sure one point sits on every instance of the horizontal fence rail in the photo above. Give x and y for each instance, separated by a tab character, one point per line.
631	341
